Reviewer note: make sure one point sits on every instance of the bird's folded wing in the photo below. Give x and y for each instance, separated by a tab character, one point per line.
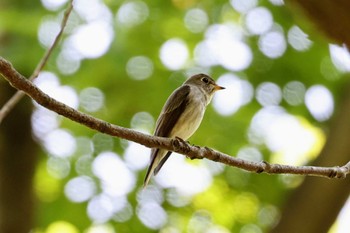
172	111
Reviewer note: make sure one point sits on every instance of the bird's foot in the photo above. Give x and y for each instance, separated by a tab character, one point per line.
181	145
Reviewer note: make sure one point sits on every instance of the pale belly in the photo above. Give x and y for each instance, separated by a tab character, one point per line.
188	122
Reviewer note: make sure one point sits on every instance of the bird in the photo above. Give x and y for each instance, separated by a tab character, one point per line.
181	116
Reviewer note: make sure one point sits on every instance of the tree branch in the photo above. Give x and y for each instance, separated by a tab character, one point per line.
177	145
11	103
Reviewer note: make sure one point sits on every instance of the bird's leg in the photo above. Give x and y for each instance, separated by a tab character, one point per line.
186	147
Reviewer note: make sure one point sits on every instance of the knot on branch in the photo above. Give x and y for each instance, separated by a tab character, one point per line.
336	172
264	166
340	172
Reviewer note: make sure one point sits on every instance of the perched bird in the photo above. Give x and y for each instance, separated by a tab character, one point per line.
181	116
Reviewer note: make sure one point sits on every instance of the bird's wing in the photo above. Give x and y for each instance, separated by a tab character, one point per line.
172	110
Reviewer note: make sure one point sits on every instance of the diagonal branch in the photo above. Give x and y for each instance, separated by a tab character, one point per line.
177	145
11	103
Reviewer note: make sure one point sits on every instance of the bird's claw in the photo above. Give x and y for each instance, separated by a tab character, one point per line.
182	143
180	139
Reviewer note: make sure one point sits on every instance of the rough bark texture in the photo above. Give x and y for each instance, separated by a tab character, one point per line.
17	165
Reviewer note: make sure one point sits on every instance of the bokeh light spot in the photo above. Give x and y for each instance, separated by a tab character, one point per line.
43	121
258	20
328	69
93	10
66	63
268	215
49	83
174	54
124	214
273	44
58	167
61	226
151	193
340	57
235	56
116	178
268	93
83	165
91	99
319	101
298	39
100	228
132	13
53	4
247	205
293	140
237	93
224	46
139	67
196	20
243	6
67	95
80	189
84	146
176	199
47	188
152	215
100	209
92	40
137	156
55	140
48	31
294	92
142	121
191	180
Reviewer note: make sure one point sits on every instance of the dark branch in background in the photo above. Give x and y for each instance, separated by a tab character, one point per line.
177	145
11	103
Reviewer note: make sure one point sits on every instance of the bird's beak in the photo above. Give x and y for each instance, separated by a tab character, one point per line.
217	87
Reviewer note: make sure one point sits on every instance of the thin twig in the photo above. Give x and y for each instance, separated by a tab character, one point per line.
177	145
11	103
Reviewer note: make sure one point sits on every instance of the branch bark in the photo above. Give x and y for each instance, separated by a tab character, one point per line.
177	145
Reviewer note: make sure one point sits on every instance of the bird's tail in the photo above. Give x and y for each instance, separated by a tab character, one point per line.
158	158
150	171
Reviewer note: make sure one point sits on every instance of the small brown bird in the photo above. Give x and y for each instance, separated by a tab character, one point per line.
181	116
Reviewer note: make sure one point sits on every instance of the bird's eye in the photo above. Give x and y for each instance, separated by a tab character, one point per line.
206	80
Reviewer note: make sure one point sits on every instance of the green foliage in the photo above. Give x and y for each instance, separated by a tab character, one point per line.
235	201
